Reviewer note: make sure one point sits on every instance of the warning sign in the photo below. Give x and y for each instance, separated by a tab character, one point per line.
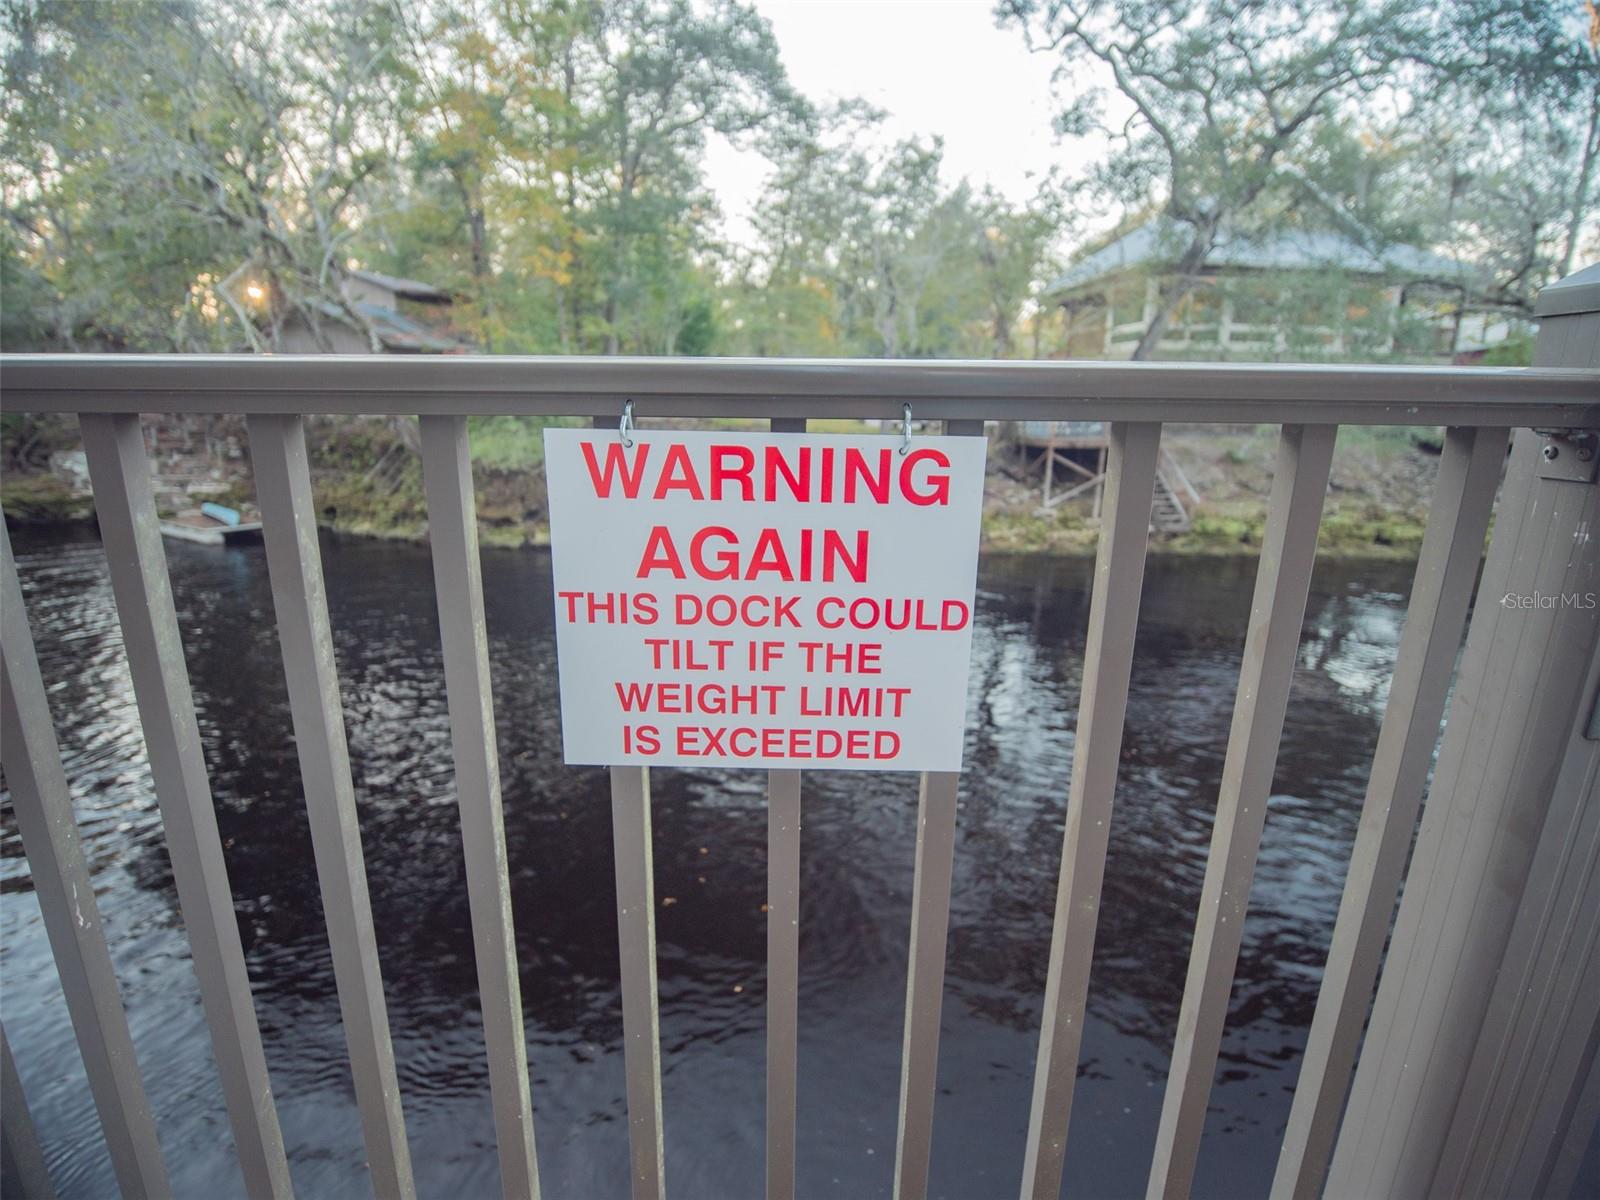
764	600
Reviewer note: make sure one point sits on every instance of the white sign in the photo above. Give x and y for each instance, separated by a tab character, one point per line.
764	600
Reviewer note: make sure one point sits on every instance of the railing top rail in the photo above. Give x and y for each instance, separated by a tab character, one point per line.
765	388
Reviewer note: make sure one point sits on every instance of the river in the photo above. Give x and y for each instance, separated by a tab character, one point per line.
710	849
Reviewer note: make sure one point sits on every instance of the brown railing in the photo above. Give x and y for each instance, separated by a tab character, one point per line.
1436	1047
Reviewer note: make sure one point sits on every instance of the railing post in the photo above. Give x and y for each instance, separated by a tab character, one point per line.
42	803
22	1169
930	926
1480	1050
1107	669
1271	649
783	957
1441	594
633	853
641	1012
299	597
131	533
464	641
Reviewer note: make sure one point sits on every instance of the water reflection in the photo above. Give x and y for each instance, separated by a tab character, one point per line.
710	836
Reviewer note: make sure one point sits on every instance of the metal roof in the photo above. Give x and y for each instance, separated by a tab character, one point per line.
395	331
406	289
402	333
1287	250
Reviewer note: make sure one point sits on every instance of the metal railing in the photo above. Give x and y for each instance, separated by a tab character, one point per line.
1479	407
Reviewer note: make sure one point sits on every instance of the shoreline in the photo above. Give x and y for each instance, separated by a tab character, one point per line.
1078	542
367	483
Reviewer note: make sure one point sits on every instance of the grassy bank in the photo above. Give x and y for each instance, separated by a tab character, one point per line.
1377	504
1357	531
43	500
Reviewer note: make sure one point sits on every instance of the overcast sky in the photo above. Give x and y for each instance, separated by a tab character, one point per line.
936	66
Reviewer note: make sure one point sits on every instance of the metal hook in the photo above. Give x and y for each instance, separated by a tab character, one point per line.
626	428
905	429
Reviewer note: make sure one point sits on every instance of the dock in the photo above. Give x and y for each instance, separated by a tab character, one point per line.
196	526
1075	451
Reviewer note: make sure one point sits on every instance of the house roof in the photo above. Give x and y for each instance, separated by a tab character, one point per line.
1288	250
406	289
402	333
395	332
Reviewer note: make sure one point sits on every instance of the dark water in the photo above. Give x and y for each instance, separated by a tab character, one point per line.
710	831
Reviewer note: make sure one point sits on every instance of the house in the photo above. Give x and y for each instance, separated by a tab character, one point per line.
200	457
404	314
1290	294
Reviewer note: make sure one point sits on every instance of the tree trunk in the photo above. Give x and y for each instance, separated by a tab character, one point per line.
574	319
1185	273
480	270
613	346
618	273
1002	332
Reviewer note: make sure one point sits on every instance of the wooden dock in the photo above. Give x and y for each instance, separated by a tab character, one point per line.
195	526
1076	452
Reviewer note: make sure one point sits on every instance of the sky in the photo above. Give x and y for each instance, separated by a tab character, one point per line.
936	66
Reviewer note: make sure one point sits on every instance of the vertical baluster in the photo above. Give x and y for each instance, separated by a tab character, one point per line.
283	490
1107	664
132	536
783	977
930	922
1447	568
458	583
1283	580
61	882
636	941
783	956
636	938
22	1165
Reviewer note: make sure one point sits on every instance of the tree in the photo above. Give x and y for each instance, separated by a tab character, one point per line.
479	210
1012	250
862	250
184	177
556	163
1232	108
1222	93
662	77
1508	131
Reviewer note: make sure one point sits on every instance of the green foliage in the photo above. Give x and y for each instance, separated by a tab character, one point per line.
42	498
1266	117
1361	530
30	438
365	479
509	443
1223	532
1513	352
201	175
862	251
1058	532
1371	529
182	177
698	333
